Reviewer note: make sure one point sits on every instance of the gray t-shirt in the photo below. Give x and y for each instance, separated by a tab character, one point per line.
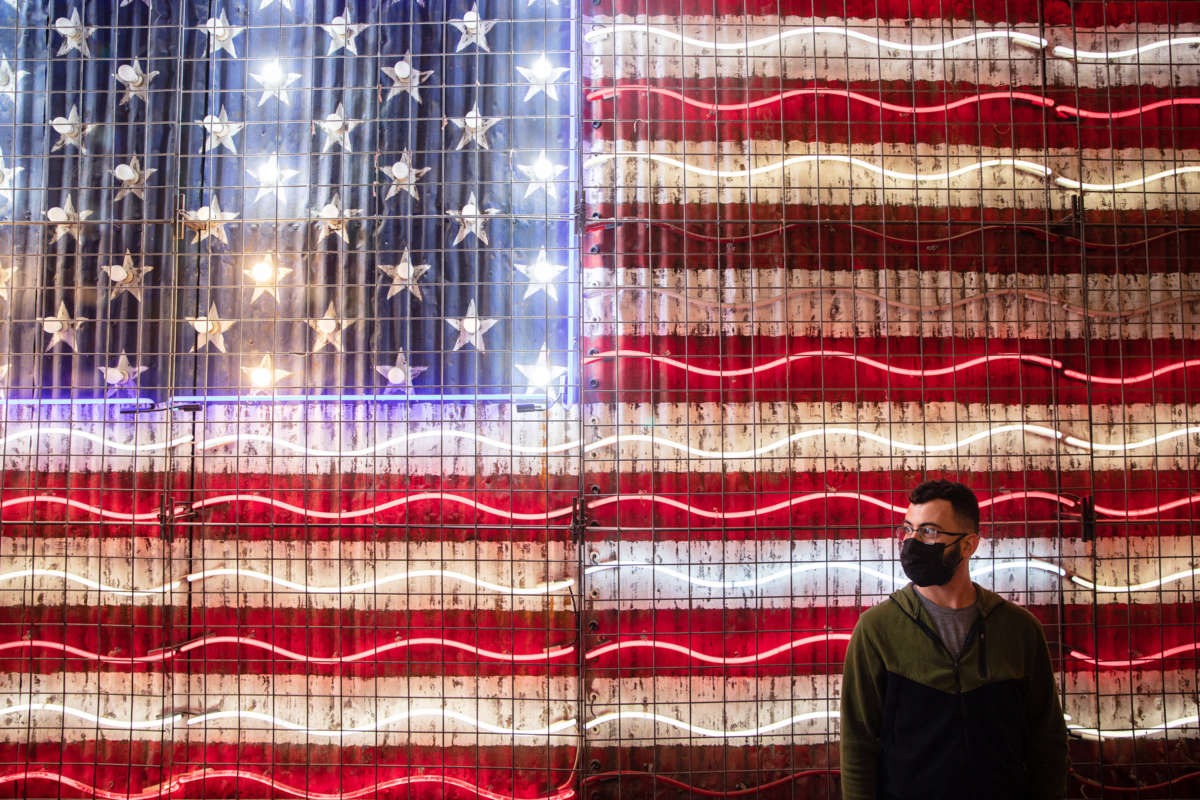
952	624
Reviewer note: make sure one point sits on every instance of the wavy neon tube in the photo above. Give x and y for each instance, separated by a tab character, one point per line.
142	518
818	566
1133	732
1071	111
941	308
1135	183
276	723
1117	55
609	441
93	719
167	654
671	502
815	91
1136	587
1031	167
712	733
365	586
145	447
783	361
727	661
370	511
648	31
1129	663
382	725
176	783
779	98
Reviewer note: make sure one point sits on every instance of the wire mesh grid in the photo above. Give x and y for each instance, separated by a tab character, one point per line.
284	515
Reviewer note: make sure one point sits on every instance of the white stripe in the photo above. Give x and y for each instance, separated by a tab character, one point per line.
803	710
144	563
819	303
777	574
671	172
993	61
855	572
433	711
846	436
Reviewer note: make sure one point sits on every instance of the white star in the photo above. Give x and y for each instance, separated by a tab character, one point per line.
405	78
10	80
471	328
471	220
133	178
266	374
266	275
531	2
126	277
209	221
147	2
541	274
342	32
541	375
75	34
543	176
404	176
210	329
137	82
331	219
61	327
474	127
221	34
329	329
474	30
219	131
66	220
287	4
337	129
71	130
542	76
8	177
271	177
402	374
275	81
6	276
405	276
123	374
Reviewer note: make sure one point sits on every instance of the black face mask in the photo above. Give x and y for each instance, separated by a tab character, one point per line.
925	564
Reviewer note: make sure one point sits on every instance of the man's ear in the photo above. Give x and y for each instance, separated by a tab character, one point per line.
970	545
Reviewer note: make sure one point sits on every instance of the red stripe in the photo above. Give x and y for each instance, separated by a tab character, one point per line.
527	771
1107	631
642	520
833	119
1084	13
426	520
123	631
626	379
998	241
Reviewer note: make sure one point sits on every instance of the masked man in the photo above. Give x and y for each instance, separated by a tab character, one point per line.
948	691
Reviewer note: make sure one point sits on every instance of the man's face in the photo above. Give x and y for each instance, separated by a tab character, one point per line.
940	514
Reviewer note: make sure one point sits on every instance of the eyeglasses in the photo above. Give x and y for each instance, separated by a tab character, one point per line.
926	533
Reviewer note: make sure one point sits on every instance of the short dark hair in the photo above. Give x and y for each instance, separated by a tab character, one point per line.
961	498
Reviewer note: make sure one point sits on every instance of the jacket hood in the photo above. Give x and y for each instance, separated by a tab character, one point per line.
907	599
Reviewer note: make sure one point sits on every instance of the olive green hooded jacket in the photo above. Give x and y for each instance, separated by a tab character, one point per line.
918	723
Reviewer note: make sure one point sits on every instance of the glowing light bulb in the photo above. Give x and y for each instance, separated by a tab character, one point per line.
263	271
273	75
470	324
327	325
543	271
260	377
52	325
118	273
543	170
542	71
402	69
